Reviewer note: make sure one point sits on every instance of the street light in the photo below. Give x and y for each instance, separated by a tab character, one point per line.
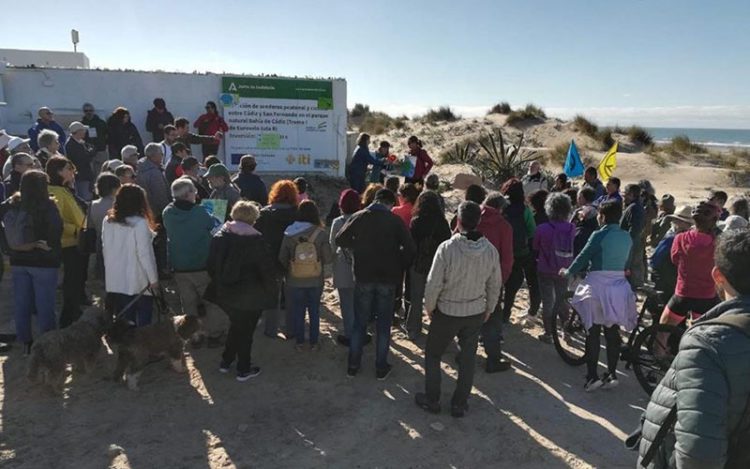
74	38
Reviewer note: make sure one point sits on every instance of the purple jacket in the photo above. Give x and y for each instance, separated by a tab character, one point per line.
553	241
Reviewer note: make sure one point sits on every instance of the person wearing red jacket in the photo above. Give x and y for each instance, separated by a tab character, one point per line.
211	123
693	255
423	164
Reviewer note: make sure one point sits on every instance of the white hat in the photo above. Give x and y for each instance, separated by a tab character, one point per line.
112	165
128	151
76	126
15	142
733	222
683	214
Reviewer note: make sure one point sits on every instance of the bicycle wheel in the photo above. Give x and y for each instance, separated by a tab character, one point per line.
570	340
648	366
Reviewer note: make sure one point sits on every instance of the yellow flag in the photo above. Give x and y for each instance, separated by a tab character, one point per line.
608	164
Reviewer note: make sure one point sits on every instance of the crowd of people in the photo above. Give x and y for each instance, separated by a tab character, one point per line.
393	251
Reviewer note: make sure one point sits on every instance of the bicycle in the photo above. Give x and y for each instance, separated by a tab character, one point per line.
638	353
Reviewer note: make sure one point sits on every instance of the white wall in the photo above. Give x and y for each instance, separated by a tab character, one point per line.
65	90
44	58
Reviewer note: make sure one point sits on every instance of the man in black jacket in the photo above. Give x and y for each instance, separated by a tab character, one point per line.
188	138
382	248
96	135
158	118
82	155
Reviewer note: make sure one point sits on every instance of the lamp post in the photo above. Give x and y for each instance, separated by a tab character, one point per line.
74	38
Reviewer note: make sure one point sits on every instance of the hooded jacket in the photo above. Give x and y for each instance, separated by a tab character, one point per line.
693	254
189	229
50	230
294	234
243	271
151	178
465	277
499	233
709	382
381	245
272	223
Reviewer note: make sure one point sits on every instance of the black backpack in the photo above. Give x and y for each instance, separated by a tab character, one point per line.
738	451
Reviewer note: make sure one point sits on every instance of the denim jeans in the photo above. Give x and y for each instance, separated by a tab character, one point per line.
271	316
346	300
139	313
417	283
372	299
34	288
306	300
442	331
553	289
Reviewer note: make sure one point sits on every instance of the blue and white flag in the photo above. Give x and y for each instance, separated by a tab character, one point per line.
573	165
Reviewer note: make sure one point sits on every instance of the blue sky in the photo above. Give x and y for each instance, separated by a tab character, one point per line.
659	62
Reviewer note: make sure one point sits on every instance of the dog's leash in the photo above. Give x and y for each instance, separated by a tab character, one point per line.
132	302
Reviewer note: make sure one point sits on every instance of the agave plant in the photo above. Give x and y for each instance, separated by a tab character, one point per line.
464	152
500	163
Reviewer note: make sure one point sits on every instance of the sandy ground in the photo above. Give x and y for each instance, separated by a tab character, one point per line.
303	412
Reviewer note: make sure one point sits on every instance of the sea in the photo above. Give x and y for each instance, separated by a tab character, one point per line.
721	138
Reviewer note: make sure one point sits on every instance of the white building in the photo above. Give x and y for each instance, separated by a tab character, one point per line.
64	89
43	58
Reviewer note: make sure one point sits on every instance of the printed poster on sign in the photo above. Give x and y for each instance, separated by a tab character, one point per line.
217	208
287	124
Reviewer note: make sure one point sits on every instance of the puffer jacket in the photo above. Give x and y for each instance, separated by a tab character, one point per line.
151	178
709	380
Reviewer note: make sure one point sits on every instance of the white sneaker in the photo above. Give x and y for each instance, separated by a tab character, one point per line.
609	381
592	384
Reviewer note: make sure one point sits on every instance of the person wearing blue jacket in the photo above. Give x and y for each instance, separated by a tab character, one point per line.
46	121
358	166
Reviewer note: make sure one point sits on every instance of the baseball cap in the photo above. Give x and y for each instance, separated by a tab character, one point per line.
217	170
76	126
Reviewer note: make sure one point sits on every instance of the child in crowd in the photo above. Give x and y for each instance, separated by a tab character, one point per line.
304	252
392	183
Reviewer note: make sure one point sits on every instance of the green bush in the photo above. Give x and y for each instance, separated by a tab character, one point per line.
682	144
441	114
585	126
640	135
658	159
529	113
557	155
376	123
501	108
463	152
359	110
604	136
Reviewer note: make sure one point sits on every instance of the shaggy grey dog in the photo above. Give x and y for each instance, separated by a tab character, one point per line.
78	344
136	347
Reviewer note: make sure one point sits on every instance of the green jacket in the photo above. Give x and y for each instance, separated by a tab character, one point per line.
189	229
709	380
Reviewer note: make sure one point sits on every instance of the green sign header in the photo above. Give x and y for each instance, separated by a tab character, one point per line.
278	88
